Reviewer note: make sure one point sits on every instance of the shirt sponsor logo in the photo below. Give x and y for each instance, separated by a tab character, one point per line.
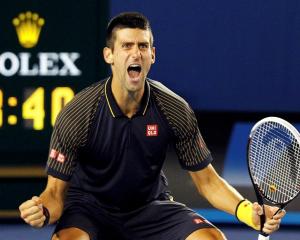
57	156
53	154
61	158
152	130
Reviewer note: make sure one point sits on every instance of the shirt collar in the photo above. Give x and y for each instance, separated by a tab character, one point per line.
113	106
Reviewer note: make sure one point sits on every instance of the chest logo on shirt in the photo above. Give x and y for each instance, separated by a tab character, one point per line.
152	130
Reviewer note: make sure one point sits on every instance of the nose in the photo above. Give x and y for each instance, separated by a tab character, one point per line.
136	52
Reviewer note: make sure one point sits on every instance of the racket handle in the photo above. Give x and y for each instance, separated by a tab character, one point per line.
262	237
266	236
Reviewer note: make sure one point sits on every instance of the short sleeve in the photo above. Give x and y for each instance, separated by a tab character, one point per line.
63	150
191	149
70	133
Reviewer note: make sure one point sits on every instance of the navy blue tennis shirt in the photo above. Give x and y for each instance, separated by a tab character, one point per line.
118	159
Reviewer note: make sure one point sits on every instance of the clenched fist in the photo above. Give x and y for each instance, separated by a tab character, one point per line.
31	212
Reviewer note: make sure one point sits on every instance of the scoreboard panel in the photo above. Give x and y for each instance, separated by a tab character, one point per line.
49	50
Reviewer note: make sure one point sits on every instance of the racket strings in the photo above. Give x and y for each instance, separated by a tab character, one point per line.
273	149
272	177
290	153
273	186
274	154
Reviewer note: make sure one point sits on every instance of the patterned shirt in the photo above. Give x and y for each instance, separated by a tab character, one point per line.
101	151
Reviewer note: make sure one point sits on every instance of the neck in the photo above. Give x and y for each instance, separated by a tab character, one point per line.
128	101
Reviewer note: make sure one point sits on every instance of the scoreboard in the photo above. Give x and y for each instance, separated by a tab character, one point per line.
29	102
49	50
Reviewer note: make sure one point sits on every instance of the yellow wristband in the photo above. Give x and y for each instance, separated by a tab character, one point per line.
244	212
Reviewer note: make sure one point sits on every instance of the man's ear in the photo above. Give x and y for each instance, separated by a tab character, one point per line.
153	55
108	55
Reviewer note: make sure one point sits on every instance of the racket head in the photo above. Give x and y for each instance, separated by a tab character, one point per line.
274	160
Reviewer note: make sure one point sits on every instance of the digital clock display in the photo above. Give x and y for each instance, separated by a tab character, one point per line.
49	51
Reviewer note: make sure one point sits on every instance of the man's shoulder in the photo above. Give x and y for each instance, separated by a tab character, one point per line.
165	94
94	88
179	113
83	103
89	94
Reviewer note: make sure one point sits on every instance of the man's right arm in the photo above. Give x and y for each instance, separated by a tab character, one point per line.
52	198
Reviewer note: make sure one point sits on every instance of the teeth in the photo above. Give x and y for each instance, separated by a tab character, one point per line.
134	65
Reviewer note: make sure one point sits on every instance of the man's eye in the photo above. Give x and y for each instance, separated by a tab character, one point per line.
125	45
144	46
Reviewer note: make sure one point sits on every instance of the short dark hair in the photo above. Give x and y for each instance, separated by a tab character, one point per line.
126	20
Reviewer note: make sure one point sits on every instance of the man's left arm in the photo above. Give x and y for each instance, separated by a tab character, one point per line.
223	196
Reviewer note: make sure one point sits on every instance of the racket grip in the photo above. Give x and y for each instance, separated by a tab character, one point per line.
262	237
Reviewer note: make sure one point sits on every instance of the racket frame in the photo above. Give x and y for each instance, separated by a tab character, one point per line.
258	192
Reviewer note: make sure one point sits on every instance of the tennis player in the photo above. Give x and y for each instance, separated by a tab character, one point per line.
105	179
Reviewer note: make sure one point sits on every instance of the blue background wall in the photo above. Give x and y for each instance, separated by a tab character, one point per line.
226	55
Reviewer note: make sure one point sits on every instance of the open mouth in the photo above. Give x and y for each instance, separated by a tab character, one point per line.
134	70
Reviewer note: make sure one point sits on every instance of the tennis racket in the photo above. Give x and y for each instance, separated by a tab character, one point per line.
274	163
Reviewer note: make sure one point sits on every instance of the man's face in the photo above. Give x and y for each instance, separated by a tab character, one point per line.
131	58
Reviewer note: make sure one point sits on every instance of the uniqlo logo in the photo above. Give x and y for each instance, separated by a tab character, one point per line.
56	155
53	154
61	158
152	130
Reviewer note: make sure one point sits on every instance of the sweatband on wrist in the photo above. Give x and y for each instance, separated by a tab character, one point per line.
47	215
244	213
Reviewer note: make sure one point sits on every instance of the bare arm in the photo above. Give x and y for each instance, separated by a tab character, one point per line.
52	198
224	197
216	190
